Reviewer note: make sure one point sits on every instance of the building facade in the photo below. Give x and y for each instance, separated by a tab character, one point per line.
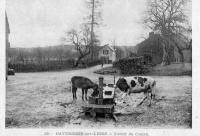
152	50
107	54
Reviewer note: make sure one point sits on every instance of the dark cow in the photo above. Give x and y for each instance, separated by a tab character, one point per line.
138	85
85	84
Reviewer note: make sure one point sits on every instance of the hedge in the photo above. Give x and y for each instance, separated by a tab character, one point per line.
93	63
47	66
130	66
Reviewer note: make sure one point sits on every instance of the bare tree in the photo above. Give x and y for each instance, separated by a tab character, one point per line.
81	40
168	18
94	20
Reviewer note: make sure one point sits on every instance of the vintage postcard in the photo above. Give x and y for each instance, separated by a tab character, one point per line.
100	67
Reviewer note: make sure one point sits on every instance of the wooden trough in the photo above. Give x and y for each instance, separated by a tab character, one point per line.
103	104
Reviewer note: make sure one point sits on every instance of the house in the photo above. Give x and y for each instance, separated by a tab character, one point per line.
123	51
152	50
107	54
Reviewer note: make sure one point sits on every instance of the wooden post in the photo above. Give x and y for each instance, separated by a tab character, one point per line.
114	78
100	100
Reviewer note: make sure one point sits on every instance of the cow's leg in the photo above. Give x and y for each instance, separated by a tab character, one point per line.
150	103
86	94
146	96
150	96
153	93
83	94
153	89
74	92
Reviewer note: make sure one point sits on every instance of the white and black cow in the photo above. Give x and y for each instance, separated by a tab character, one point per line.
138	84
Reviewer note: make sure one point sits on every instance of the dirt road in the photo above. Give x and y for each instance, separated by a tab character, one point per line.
42	100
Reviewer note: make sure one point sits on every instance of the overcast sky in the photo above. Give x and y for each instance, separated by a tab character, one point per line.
43	22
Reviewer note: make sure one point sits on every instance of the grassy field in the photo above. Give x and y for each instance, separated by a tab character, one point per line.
43	99
172	70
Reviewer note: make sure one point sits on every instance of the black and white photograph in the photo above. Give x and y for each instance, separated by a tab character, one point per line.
95	64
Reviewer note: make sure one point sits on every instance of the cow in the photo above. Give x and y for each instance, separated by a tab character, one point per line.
138	84
85	84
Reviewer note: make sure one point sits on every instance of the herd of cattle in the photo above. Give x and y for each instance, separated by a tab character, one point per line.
128	85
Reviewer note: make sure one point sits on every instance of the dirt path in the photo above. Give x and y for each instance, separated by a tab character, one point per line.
42	100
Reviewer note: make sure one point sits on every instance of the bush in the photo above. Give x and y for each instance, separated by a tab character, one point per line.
90	63
133	65
46	66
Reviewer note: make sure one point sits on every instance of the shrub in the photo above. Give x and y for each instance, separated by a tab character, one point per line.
90	63
45	66
133	65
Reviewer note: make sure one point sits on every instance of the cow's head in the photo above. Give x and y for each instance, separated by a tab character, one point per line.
122	84
96	91
95	87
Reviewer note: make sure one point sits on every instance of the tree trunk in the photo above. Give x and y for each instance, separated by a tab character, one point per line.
78	61
92	31
180	51
181	55
166	54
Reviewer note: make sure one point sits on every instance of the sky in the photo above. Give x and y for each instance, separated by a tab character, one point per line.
41	23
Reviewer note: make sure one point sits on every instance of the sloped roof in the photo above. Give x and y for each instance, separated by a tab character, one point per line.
111	48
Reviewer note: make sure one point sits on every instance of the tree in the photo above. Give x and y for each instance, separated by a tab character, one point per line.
39	55
21	56
81	40
93	19
168	18
59	54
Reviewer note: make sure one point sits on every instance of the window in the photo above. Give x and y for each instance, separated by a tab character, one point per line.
105	52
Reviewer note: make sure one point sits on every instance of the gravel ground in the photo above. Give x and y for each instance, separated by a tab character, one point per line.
44	100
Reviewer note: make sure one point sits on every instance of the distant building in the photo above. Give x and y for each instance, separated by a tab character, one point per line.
107	54
124	51
187	52
7	44
152	50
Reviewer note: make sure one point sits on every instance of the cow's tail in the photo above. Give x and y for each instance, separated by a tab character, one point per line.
154	83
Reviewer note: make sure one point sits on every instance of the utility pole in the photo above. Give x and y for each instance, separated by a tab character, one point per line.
92	31
93	17
114	49
114	44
